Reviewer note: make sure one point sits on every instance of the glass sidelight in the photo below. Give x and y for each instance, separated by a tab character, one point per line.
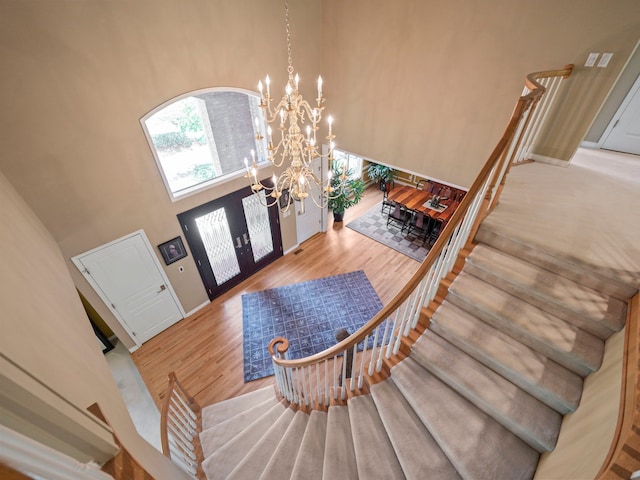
231	238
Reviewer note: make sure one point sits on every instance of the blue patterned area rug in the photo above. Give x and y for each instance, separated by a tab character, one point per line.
373	224
307	314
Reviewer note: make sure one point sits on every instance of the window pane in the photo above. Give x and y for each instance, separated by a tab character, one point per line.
352	162
204	136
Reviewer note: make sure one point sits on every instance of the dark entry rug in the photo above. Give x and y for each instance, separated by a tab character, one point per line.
307	314
373	224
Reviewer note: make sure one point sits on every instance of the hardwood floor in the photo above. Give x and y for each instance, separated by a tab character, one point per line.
205	350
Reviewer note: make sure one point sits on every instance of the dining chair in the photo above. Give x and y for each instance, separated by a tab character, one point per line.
436	227
386	203
419	222
400	216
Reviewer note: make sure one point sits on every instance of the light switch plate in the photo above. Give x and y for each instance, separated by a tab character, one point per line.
591	60
605	59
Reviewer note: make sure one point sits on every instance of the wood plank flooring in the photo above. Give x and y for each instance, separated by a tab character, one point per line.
205	350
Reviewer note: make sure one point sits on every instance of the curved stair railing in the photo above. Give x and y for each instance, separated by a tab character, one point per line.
180	426
318	380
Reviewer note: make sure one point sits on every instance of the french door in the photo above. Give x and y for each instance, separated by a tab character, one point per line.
231	238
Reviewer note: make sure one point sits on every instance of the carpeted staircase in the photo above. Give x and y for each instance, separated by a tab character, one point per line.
480	397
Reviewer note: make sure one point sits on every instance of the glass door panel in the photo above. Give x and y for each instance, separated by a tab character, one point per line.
218	243
258	224
231	238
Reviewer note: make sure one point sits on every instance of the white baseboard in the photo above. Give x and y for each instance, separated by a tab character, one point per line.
292	249
199	307
550	160
595	145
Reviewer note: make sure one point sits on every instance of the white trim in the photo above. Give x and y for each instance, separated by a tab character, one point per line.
30	407
550	160
592	145
621	109
198	308
30	457
77	261
292	249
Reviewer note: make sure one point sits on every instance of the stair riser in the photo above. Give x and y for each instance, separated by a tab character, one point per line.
375	456
526	417
406	431
529	295
523	336
461	428
571	270
559	404
283	460
339	453
308	465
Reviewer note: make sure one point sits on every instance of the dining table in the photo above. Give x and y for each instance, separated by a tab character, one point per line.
419	201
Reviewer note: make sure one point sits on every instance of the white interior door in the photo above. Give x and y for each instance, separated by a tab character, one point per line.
129	279
309	222
624	135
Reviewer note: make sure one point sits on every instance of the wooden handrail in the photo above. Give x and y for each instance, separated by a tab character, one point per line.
524	102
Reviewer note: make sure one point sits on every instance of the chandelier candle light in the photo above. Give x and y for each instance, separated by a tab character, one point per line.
294	147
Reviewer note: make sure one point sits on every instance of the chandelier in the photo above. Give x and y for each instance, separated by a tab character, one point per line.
297	146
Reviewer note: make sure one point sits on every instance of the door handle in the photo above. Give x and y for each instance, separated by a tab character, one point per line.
246	240
162	288
238	243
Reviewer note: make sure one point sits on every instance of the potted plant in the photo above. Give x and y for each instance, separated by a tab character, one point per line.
380	173
347	196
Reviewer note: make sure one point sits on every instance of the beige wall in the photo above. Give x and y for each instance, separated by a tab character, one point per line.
78	76
41	308
587	433
428	85
425	86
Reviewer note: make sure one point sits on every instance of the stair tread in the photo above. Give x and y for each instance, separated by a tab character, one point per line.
259	455
339	454
603	281
221	411
405	431
221	463
216	436
375	457
561	341
477	446
527	417
283	459
596	312
308	464
547	380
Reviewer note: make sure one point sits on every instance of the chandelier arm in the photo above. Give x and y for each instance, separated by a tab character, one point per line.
297	150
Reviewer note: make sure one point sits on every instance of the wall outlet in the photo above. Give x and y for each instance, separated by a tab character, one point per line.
605	59
591	60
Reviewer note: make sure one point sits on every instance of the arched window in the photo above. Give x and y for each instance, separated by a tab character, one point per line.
202	138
